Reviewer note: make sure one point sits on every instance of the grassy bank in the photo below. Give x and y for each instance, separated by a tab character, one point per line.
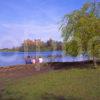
72	84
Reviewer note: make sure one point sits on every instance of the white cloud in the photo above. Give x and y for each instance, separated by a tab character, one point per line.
31	28
21	32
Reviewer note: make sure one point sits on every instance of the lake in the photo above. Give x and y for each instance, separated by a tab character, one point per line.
17	58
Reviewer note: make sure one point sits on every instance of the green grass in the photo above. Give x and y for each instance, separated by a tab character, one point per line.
73	84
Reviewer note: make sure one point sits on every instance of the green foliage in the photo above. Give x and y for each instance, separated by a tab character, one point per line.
71	48
70	20
82	25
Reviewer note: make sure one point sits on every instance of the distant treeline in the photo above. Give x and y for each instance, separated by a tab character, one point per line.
36	45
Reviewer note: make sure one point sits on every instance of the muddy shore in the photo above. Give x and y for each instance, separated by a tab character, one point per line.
27	70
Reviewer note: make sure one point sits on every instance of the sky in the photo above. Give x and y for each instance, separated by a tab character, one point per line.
33	19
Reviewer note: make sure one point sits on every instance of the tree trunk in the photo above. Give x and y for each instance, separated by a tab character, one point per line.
94	62
94	59
83	58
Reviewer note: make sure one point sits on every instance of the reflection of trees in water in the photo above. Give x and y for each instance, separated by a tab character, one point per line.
55	58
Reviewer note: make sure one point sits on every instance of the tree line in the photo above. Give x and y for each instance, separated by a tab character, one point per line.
37	45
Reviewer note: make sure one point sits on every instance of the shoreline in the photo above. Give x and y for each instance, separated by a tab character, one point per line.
20	71
51	63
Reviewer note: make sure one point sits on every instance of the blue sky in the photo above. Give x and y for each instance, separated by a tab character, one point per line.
34	19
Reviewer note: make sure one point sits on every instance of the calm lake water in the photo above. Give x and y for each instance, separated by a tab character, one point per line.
17	58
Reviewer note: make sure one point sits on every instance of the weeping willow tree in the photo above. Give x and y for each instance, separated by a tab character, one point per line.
71	48
84	27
